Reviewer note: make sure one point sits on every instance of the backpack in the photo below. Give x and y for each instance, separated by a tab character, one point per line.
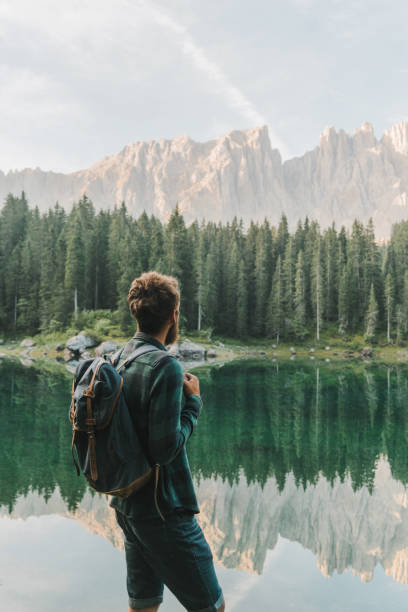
107	445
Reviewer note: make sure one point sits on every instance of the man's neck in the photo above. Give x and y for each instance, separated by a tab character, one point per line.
160	337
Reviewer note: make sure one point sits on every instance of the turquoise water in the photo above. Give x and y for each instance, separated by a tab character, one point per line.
301	475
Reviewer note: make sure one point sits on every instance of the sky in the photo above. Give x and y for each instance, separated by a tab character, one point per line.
81	79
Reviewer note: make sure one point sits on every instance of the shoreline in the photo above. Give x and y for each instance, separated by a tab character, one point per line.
46	351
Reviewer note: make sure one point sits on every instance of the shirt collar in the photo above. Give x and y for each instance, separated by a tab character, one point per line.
139	335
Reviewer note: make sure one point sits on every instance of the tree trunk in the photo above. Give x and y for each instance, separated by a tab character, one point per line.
15	310
75	302
318	303
96	287
199	312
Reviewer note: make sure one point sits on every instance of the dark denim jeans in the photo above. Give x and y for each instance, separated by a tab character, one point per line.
172	552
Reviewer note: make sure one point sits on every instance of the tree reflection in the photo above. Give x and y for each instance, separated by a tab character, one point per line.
258	419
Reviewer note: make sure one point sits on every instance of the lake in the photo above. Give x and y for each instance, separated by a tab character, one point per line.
301	472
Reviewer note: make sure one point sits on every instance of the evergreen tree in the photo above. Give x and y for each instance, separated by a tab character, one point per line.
263	266
330	247
242	301
156	261
288	276
231	288
210	288
13	227
300	299
117	229
404	304
129	267
249	256
178	256
237	283
282	236
355	257
99	261
399	320
343	304
199	263
317	286
389	303
275	314
75	267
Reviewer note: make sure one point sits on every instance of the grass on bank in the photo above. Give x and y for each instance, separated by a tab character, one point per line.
104	325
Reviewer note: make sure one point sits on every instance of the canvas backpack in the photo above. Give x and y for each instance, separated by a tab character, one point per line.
107	445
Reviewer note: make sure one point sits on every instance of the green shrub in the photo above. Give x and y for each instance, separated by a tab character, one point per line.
358	343
103	326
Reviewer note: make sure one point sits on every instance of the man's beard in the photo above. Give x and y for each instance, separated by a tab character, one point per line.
172	334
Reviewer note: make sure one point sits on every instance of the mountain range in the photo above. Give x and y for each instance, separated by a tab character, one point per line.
346	176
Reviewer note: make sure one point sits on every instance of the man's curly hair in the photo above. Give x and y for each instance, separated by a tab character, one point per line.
152	298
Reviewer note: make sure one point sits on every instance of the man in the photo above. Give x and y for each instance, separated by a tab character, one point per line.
163	541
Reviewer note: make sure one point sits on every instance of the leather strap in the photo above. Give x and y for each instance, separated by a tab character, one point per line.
156	482
91	423
74	433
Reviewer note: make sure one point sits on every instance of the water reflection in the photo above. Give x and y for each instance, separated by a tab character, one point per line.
315	456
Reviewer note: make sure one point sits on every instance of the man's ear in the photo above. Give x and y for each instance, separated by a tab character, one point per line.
172	319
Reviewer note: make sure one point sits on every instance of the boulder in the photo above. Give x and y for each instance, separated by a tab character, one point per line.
292	350
59	347
189	351
1	341
274	346
327	348
71	366
312	350
105	347
173	349
211	353
68	355
80	343
26	362
27	342
367	351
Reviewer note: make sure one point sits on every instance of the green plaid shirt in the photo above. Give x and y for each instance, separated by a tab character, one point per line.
155	397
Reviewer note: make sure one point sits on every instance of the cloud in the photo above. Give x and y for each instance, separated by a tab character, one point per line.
230	93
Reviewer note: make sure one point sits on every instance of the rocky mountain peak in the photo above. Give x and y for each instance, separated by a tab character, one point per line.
347	176
397	137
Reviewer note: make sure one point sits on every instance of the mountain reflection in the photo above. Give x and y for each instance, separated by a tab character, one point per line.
317	456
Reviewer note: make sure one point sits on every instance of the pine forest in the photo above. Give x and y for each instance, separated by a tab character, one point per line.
261	282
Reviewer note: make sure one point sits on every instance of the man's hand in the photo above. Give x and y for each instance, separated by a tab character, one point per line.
191	385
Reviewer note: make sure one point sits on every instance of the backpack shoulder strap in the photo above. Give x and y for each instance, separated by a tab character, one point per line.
142	350
116	357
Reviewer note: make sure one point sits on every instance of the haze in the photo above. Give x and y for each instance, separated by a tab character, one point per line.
81	80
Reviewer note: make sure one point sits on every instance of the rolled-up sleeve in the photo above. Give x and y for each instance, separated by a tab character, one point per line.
170	423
